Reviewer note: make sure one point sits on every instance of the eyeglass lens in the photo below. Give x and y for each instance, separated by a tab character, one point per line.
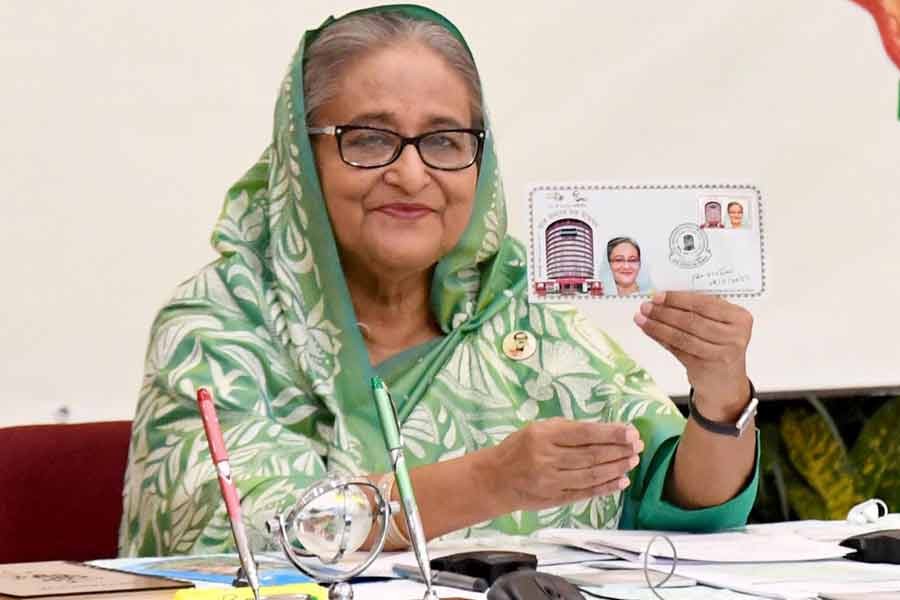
439	149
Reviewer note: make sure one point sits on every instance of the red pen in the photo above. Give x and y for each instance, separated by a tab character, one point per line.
226	485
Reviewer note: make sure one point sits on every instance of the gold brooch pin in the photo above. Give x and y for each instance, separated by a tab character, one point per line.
519	345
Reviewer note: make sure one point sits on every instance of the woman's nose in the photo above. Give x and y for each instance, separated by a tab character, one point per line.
408	172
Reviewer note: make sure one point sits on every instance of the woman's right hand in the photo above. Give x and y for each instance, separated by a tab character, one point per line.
559	461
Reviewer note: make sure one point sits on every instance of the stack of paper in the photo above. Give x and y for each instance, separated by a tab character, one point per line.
729	546
795	580
778	563
826	531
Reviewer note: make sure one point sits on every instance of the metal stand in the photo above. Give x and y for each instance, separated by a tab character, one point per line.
240	578
340	588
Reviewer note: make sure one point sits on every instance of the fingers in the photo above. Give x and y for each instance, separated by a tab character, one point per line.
585	457
696	325
706	329
677	340
567	433
554	461
711	307
596	476
605	489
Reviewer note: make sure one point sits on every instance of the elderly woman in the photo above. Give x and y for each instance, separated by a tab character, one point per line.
624	257
736	214
370	238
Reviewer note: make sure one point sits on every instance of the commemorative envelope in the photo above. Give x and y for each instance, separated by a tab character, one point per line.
595	240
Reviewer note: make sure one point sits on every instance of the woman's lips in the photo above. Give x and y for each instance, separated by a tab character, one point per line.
405	211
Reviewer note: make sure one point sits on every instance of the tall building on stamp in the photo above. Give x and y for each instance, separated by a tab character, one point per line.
570	259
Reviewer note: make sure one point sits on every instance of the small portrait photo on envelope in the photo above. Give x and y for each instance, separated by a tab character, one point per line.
711	213
738	213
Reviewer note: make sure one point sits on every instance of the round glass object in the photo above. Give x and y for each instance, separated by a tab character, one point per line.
337	520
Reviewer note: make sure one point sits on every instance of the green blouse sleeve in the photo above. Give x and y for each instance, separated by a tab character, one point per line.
644	506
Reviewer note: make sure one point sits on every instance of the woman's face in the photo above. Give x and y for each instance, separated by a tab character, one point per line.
625	263
401	218
735	214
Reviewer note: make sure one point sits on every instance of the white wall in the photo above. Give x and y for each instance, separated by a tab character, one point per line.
123	123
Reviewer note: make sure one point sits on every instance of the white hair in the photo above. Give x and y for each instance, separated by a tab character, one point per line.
347	39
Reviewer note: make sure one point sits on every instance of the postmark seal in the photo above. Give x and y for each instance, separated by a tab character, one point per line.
688	246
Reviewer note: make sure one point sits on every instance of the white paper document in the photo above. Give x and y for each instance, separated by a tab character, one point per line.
700	592
730	546
826	531
798	580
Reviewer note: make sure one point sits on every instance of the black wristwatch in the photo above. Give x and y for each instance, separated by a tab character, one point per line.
733	429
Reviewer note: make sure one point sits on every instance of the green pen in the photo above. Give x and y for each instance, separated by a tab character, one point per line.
390	427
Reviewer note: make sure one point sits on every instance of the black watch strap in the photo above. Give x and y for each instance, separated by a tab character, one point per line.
724	428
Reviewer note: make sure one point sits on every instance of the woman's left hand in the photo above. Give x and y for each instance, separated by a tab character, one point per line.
709	336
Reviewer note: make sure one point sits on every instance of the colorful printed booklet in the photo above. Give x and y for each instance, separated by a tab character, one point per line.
211	568
594	241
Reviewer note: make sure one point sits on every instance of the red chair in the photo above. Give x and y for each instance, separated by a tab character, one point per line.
61	490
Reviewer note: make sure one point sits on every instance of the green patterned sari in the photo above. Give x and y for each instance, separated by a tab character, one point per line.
269	327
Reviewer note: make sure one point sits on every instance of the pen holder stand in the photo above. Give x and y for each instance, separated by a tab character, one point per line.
332	518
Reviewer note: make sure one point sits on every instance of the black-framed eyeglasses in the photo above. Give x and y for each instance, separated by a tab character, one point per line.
371	147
